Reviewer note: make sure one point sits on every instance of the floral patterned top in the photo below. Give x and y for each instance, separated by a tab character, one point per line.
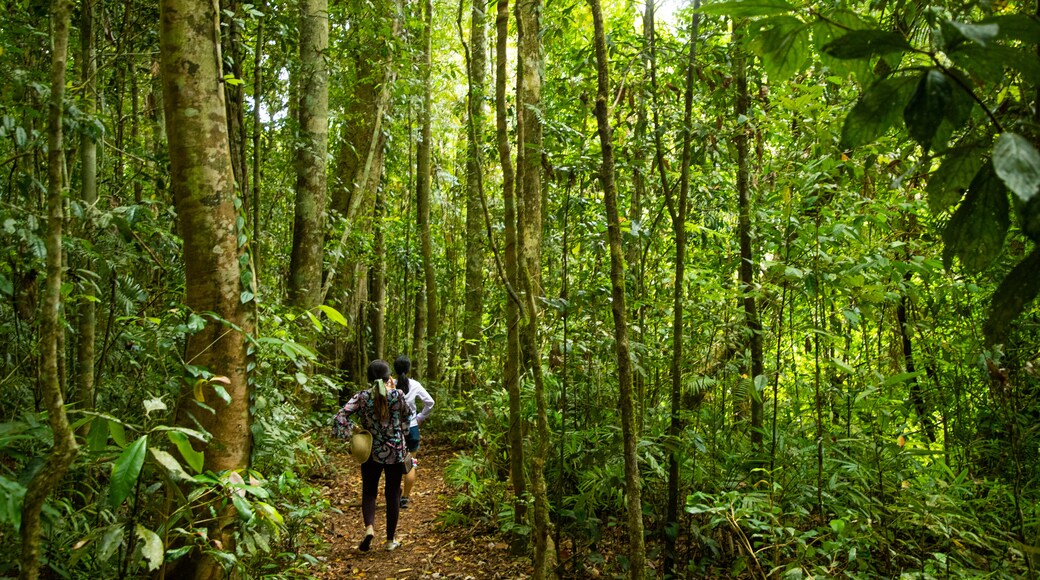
387	438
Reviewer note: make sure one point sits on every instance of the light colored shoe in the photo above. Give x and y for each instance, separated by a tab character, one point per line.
392	545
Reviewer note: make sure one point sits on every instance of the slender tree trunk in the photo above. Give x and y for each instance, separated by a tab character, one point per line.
679	229
424	170
236	96
747	258
916	395
204	194
308	226
64	450
511	371
253	214
636	551
377	282
87	325
473	320
529	218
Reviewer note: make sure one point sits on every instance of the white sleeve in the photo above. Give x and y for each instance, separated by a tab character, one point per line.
427	403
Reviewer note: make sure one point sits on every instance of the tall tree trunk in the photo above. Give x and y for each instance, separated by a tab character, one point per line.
87	324
308	225
679	229
747	258
253	214
64	450
424	170
377	281
529	161
359	167
236	96
204	195
473	320
916	394
511	370
636	552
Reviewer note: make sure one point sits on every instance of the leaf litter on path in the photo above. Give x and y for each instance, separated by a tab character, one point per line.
428	550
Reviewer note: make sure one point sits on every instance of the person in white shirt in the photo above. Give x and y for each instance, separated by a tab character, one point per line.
412	390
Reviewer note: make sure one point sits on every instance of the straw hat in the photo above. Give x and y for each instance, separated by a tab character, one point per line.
361	445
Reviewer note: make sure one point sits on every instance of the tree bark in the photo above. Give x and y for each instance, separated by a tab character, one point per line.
358	169
529	218
64	450
747	258
473	319
87	324
679	229
424	170
511	370
636	551
204	193
236	95
308	225
377	282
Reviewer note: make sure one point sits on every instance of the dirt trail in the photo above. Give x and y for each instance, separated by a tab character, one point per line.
428	550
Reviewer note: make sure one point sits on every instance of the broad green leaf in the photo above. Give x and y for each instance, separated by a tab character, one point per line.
126	470
222	393
170	464
928	107
1016	27
1016	291
838	23
978	33
110	541
877	110
333	314
866	44
314	320
151	547
740	8
269	512
900	378
194	458
115	429
242	506
976	232
947	185
1017	162
783	43
13	494
97	437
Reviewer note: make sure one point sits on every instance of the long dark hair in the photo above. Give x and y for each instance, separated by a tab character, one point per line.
401	366
378	370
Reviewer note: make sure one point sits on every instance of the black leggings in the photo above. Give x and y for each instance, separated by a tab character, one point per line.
370	472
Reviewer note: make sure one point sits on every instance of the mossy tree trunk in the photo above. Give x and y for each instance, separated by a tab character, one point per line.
64	450
204	194
636	551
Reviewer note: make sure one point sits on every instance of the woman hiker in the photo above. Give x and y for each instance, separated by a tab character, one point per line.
412	390
383	412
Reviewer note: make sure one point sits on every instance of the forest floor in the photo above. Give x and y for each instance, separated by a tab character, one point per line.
428	548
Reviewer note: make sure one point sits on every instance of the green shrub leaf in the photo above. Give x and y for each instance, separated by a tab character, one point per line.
194	458
126	470
151	547
977	229
928	107
748	8
865	44
1017	163
876	111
